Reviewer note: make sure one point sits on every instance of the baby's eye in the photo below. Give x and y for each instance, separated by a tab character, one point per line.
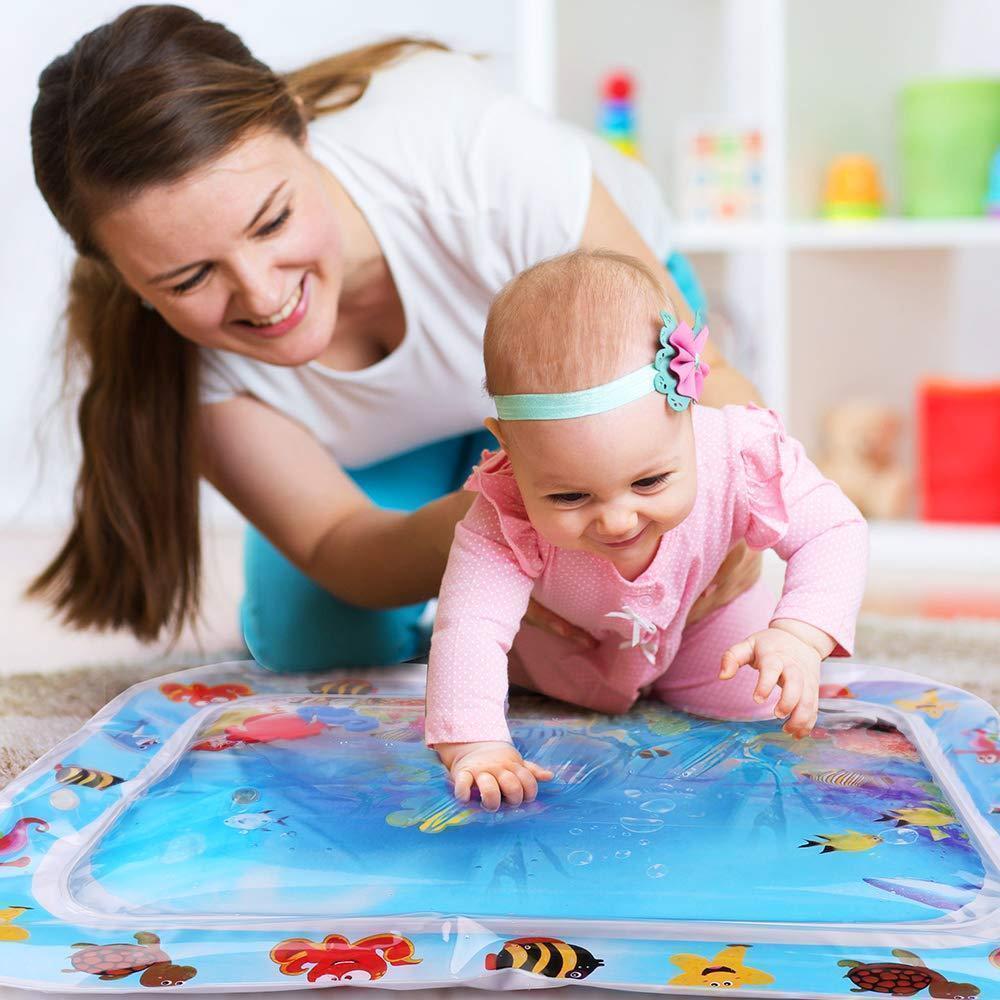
567	499
651	482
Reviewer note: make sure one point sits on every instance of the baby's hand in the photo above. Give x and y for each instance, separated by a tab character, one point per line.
495	768
788	654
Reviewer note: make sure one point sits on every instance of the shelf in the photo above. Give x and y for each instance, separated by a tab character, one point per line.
879	234
721	237
885	234
935	548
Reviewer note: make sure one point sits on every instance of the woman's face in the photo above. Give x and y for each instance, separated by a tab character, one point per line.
243	254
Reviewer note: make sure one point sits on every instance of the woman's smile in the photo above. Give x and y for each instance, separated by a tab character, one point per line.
287	317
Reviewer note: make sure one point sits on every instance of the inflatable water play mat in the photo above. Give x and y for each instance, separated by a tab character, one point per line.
226	828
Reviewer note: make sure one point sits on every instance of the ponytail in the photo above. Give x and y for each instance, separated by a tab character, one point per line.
132	558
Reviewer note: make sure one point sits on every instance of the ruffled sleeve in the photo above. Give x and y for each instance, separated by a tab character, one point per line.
494	480
764	457
788	505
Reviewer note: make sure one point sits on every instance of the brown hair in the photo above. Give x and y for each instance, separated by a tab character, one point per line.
145	99
572	322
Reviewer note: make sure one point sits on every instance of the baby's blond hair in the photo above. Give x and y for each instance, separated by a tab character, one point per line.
572	322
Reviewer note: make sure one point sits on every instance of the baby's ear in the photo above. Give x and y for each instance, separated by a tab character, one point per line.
493	426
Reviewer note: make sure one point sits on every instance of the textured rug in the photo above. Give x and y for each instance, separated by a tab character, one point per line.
37	710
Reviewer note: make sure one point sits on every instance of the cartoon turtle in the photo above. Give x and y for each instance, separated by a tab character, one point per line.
904	980
115	961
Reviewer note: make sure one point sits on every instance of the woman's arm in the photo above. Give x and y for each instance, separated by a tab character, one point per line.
607	227
285	483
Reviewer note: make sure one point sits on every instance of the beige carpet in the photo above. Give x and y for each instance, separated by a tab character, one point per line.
37	710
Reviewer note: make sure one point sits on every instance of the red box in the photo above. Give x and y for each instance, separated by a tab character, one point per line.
959	450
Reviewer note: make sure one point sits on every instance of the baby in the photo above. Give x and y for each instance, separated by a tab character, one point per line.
613	502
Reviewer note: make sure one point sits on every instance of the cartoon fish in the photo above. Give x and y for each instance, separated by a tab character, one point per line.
835	691
436	822
72	774
933	894
850	841
345	686
874	742
8	932
725	971
16	840
134	738
201	694
843	778
929	703
270	726
921	816
245	822
984	745
545	956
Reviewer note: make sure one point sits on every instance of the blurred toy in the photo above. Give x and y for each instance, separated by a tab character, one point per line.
853	189
858	453
993	187
720	173
617	117
959	448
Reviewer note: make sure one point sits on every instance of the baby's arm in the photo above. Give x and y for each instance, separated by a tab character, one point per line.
483	597
823	539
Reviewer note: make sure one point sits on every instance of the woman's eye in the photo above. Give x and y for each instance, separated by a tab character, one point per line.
651	482
567	498
196	279
276	224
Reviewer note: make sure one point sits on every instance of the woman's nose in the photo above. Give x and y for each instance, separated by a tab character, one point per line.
260	289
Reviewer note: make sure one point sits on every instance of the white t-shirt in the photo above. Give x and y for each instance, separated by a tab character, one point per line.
464	186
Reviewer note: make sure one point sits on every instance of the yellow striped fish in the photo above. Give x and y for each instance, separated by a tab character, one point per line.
545	957
845	779
342	687
71	774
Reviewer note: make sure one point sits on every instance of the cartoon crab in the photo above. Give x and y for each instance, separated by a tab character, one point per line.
366	959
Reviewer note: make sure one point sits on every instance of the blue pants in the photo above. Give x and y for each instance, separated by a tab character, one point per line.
292	624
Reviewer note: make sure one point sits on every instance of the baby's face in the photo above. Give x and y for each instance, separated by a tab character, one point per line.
611	483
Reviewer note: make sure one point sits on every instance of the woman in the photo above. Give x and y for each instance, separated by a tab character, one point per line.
281	285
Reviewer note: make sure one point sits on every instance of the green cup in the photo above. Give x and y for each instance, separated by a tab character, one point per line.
949	130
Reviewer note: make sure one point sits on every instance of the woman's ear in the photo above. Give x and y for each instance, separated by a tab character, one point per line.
493	426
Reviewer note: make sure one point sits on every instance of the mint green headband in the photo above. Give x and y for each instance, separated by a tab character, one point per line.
677	372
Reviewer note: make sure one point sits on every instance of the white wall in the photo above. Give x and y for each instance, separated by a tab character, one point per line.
35	487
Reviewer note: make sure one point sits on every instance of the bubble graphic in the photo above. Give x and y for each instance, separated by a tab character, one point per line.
580	858
633	793
645	842
64	798
662	805
576	831
656	871
622	855
244	796
901	836
641	824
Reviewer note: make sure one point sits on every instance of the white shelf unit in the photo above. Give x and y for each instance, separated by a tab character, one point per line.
821	311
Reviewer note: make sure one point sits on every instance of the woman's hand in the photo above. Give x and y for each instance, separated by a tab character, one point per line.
495	768
739	571
540	617
787	654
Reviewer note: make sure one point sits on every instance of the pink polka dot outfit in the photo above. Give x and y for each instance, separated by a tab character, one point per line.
754	484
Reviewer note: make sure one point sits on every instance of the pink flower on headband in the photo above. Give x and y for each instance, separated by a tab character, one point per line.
688	365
